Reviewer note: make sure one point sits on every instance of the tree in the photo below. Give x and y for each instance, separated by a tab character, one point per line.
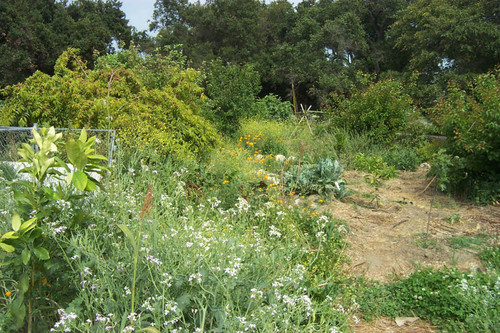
446	35
34	33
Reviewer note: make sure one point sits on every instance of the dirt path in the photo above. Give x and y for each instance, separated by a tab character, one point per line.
387	227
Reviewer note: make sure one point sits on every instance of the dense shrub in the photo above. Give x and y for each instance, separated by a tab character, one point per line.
154	101
272	107
382	110
401	158
470	118
233	90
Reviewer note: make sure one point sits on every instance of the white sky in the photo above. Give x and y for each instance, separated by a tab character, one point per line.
138	12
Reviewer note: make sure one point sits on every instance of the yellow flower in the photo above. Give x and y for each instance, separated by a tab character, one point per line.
225	182
8	294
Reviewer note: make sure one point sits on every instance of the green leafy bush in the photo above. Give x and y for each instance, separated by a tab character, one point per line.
382	110
491	257
233	90
272	107
470	118
374	165
401	158
158	105
31	249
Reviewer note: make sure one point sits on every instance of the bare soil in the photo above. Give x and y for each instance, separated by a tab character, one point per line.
387	237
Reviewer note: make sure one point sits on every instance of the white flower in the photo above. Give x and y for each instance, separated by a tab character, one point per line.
280	158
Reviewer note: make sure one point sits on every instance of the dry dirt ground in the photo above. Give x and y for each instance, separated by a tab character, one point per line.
387	232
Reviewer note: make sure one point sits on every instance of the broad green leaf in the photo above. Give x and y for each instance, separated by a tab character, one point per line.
83	136
9	235
97	157
75	154
80	180
26	255
16	222
18	311
91	186
129	234
24	283
41	253
37	138
28	225
7	247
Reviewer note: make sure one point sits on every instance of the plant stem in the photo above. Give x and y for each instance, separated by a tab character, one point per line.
30	303
146	208
430	211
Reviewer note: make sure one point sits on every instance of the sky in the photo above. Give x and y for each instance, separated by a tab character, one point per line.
139	12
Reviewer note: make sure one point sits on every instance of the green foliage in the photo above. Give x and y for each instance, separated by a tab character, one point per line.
469	242
276	266
153	101
322	178
455	301
382	110
374	165
273	108
491	257
28	249
471	121
401	158
233	90
457	26
32	39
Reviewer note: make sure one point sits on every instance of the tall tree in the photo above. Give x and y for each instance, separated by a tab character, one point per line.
449	35
33	33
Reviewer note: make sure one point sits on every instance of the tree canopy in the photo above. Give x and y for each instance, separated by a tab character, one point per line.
34	33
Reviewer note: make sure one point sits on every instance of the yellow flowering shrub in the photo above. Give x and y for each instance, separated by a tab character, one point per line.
152	102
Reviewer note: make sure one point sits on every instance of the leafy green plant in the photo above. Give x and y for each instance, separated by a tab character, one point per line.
323	178
233	90
491	257
273	108
401	158
375	166
154	101
470	119
454	300
475	241
382	110
453	218
26	246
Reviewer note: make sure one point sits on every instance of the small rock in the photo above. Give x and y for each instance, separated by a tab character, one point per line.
425	166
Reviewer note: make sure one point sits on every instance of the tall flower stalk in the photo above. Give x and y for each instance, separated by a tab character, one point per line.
146	209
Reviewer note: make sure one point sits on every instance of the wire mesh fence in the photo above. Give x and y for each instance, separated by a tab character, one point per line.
11	139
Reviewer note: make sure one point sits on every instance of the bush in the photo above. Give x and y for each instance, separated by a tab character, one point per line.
162	112
374	165
401	158
470	118
273	108
382	110
233	90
